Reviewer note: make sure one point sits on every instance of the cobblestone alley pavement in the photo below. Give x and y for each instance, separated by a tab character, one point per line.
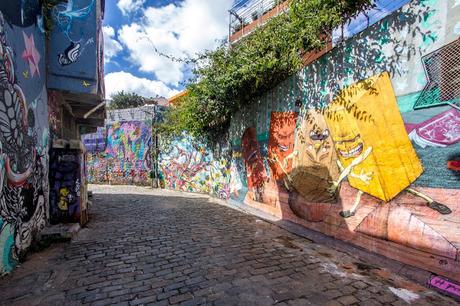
160	247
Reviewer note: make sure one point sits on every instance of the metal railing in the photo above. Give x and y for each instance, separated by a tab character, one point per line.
246	15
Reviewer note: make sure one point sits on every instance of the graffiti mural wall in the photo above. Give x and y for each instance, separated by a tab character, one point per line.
24	132
120	153
188	165
364	143
128	152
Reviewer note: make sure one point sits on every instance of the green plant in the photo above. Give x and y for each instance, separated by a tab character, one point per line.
234	76
123	100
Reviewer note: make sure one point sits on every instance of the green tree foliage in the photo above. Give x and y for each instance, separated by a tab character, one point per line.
123	100
234	75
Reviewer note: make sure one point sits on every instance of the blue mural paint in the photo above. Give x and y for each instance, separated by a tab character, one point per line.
66	14
6	246
358	24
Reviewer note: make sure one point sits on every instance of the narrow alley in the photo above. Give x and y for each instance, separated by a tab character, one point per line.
161	247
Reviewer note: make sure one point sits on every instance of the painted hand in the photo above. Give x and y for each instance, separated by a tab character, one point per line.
365	177
333	188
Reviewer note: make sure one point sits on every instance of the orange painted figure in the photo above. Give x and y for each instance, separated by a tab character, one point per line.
281	143
373	149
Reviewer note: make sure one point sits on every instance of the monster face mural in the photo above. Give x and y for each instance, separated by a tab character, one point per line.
315	161
281	142
255	170
370	139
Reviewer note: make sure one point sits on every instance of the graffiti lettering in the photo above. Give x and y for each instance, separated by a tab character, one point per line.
445	286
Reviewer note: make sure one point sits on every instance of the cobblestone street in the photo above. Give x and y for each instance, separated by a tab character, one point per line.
160	247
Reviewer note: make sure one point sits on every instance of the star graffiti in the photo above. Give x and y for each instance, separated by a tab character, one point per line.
31	54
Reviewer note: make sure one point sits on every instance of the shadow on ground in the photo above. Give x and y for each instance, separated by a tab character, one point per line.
143	246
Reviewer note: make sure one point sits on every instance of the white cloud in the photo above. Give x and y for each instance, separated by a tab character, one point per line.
130	6
111	45
117	81
183	29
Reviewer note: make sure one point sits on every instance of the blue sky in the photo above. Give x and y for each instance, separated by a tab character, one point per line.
177	27
181	28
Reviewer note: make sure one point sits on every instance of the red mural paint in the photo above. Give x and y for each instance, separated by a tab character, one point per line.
453	165
445	286
281	142
440	131
255	170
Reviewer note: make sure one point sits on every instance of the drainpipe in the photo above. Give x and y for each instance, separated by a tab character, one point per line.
155	150
94	109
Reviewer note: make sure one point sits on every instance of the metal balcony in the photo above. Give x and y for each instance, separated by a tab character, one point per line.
247	15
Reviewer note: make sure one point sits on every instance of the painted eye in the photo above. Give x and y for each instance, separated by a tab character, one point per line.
324	149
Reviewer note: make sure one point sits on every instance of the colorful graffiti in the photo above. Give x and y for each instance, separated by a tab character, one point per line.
65	186
345	147
445	286
128	152
256	173
95	142
96	168
24	138
120	153
374	151
281	143
65	15
315	163
220	178
188	165
370	163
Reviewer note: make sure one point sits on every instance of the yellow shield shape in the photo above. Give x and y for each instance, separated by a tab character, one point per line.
370	138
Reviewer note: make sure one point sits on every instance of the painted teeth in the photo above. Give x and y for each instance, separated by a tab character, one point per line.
352	152
283	148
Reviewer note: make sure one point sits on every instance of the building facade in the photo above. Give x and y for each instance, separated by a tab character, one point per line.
37	113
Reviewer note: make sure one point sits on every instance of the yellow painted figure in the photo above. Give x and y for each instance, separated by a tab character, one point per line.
64	199
372	145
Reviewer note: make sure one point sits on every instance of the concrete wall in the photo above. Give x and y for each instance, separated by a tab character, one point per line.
392	133
24	130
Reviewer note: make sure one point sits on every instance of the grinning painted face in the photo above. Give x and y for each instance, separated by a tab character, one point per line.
349	145
281	142
346	135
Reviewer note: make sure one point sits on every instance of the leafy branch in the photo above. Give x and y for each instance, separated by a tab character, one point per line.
232	77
